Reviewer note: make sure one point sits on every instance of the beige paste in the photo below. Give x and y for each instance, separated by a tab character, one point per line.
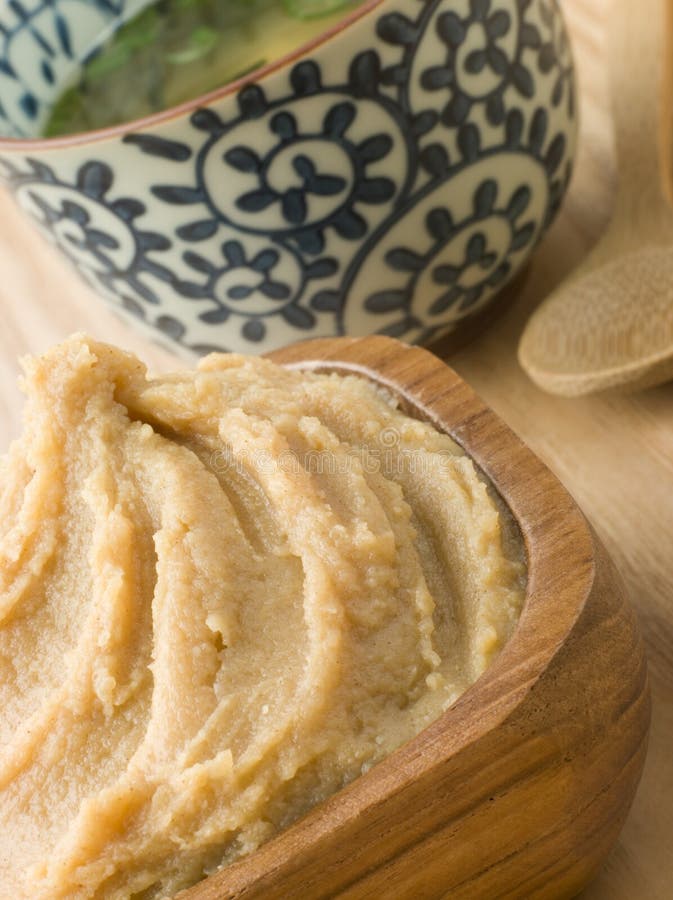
223	595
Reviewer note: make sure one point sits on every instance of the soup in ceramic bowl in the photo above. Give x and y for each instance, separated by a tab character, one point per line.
173	50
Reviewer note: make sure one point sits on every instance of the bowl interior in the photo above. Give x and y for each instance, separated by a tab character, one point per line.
43	46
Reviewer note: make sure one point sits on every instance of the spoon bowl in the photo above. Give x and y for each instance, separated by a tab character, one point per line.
628	302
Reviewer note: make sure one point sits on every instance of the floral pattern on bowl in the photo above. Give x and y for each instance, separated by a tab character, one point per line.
390	179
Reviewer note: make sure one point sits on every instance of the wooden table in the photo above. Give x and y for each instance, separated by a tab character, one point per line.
614	453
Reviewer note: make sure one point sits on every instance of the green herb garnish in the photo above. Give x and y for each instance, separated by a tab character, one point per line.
201	41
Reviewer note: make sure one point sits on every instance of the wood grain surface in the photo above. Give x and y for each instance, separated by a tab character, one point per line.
614	453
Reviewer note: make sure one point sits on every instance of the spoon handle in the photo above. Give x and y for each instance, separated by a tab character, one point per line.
641	81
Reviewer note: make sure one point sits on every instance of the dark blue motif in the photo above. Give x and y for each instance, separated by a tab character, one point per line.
480	262
313	180
228	285
95	232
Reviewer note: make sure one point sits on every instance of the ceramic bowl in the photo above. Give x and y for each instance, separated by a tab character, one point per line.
390	177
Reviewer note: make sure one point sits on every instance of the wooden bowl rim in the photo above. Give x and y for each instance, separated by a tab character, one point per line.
443	398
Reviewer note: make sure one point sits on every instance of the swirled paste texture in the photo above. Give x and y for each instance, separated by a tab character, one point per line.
223	595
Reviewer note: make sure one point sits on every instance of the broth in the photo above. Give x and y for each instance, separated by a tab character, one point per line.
175	50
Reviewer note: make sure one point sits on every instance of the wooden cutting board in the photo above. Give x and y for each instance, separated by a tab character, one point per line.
615	454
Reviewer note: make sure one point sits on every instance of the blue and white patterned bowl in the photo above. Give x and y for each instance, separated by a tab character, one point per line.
391	177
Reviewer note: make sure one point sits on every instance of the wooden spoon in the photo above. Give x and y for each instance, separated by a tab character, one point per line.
611	323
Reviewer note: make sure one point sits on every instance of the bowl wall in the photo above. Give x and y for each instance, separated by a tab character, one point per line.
389	178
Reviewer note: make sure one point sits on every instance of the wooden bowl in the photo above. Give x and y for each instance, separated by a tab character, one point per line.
519	789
